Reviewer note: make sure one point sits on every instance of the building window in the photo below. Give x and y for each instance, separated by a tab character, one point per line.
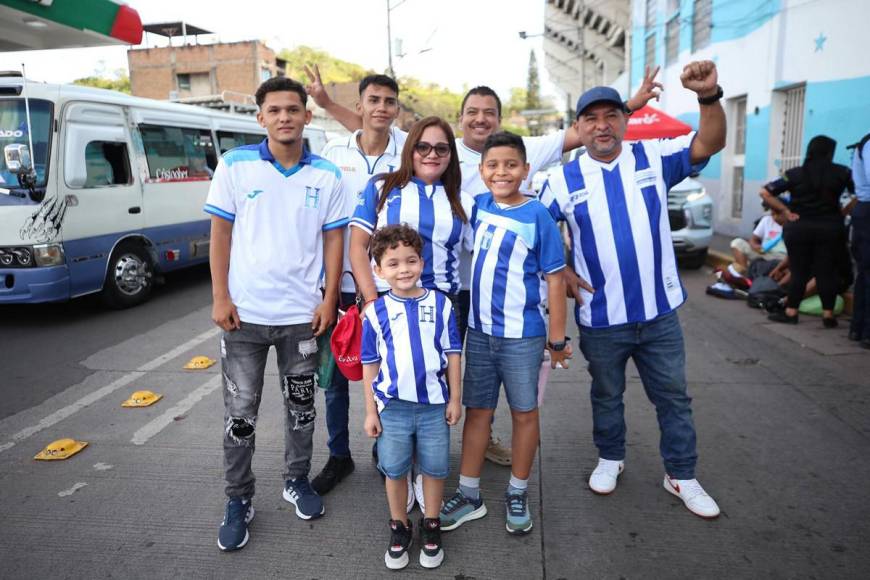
702	24
177	154
737	113
650	21
183	82
672	39
650	52
792	128
265	74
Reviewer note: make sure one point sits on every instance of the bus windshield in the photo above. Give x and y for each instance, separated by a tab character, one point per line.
13	130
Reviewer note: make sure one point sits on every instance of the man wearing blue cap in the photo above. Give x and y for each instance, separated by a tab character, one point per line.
614	200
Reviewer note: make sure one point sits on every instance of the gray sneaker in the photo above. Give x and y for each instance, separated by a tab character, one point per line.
519	520
460	509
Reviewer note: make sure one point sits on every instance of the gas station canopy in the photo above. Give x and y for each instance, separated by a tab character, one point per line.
46	24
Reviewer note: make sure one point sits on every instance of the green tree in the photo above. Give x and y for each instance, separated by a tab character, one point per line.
118	81
533	85
332	70
426	99
517	101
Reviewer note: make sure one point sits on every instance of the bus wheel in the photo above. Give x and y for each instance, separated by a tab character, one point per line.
129	278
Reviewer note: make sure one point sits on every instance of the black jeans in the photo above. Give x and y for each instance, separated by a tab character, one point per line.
814	244
861	253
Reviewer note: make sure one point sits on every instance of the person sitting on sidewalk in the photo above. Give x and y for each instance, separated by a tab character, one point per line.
410	345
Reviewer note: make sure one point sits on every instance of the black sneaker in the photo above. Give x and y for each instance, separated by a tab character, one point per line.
233	534
396	556
336	469
783	317
431	554
308	504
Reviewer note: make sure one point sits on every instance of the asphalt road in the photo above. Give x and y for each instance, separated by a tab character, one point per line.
782	412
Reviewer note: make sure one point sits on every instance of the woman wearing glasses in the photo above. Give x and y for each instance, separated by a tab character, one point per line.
425	194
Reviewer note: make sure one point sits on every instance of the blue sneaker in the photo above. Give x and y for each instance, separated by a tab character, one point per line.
233	534
299	493
519	520
460	509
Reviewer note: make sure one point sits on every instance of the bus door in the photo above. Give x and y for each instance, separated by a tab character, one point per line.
102	193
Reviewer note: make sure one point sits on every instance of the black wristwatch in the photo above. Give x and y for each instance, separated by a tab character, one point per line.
712	98
558	346
628	110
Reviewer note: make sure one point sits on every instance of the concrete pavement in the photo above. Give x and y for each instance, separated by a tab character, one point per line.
783	418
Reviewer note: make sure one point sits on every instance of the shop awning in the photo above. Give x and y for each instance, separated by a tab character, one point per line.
650	123
45	24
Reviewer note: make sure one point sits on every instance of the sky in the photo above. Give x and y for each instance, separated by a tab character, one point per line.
465	42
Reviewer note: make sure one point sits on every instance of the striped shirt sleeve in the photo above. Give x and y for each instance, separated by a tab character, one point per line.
450	342
336	217
365	216
369	353
676	158
220	200
550	200
548	246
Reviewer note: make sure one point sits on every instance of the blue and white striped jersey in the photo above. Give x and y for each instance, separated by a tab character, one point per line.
410	338
620	233
278	217
514	247
425	208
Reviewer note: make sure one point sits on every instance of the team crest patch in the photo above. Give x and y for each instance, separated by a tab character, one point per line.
312	197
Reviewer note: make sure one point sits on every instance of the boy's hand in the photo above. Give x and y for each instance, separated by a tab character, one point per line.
224	314
454	412
560	357
315	86
372	426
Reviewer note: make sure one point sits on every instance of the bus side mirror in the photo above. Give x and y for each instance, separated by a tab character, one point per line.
17	158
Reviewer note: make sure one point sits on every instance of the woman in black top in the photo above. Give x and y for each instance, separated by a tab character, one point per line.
814	234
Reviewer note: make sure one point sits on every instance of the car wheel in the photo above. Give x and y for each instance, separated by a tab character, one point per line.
129	277
694	261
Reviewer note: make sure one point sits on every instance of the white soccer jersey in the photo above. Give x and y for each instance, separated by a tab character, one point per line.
427	209
620	233
278	217
410	338
356	170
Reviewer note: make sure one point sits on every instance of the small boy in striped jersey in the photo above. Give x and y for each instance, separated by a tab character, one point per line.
411	359
517	266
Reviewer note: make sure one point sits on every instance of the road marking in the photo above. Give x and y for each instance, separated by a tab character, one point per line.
156	425
102	466
71	490
95	396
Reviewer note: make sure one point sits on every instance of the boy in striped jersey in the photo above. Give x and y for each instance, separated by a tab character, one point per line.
410	342
518	261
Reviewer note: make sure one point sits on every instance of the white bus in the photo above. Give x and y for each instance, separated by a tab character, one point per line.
116	190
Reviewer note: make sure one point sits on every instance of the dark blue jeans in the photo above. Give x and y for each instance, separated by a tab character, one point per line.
658	352
861	252
338	407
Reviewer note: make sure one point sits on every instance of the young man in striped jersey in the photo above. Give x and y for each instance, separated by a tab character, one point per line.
517	248
410	345
614	199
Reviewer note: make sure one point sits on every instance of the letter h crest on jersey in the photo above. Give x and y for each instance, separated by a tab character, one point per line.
312	197
427	314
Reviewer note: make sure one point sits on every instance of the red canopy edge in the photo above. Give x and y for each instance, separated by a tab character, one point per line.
650	123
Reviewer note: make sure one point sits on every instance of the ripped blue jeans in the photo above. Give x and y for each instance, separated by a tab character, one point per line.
243	362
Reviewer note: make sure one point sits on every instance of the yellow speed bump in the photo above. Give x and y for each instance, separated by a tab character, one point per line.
60	449
198	363
142	399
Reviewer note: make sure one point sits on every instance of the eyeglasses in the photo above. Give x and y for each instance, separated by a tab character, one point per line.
423	148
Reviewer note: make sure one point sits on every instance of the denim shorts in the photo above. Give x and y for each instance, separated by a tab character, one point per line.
491	361
409	428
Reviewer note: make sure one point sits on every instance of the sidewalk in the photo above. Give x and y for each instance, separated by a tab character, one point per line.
784	442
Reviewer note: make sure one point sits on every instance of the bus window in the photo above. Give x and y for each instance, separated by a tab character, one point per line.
231	139
107	164
177	154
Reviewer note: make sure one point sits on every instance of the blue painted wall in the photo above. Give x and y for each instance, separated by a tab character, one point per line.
737	18
840	110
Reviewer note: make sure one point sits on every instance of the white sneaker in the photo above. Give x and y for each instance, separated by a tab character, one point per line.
693	495
411	493
418	492
603	479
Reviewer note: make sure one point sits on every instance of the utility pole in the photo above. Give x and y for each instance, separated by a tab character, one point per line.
389	43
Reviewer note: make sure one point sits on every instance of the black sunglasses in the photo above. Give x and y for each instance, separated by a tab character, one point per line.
423	148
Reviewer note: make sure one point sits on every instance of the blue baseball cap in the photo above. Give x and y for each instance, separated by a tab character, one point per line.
599	95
